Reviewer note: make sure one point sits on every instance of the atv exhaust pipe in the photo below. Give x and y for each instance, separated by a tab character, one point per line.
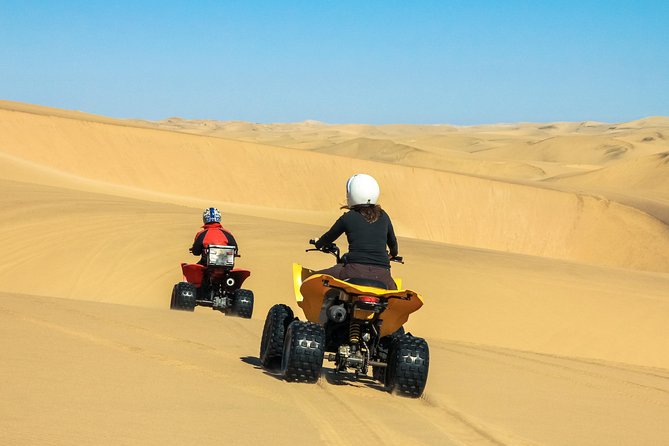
337	313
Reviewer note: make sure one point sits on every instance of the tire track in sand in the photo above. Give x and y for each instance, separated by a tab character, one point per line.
464	429
567	369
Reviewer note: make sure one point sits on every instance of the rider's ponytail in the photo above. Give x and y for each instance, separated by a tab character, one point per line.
371	212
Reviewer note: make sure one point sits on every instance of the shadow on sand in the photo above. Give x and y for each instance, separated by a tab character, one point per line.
330	375
255	362
349	379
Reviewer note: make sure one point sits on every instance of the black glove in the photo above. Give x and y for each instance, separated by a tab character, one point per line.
330	247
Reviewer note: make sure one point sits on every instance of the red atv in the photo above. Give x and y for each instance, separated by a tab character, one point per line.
216	284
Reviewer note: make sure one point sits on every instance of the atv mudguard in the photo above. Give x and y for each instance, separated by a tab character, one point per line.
193	273
310	291
240	275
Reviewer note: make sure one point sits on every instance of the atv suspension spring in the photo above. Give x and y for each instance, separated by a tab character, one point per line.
354	332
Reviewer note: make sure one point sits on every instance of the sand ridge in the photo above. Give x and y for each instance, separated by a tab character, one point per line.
241	173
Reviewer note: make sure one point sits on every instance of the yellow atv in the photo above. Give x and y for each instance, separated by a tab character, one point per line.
355	323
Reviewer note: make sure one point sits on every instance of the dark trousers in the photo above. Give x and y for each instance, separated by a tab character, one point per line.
360	271
353	271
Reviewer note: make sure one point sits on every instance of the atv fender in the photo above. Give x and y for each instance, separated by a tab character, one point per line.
310	289
193	273
239	275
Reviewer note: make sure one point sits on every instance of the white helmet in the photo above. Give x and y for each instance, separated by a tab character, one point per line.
361	189
211	215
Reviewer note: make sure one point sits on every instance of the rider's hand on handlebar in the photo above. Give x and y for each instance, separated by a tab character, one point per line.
330	247
395	258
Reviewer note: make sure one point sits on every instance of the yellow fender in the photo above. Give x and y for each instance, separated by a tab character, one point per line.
310	292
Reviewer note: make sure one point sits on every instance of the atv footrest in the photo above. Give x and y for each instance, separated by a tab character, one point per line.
377	364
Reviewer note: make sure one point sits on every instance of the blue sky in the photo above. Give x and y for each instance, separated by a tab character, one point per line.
458	62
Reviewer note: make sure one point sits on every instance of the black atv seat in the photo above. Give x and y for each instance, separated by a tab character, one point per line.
367	282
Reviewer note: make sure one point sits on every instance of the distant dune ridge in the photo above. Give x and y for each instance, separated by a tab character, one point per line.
542	251
444	206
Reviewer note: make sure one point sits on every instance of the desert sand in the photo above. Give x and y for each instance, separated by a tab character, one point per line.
541	251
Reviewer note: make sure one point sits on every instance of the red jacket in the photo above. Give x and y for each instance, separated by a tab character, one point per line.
212	234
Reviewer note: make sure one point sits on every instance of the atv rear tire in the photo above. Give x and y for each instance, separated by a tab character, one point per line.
273	334
242	306
379	373
183	297
408	365
172	300
303	352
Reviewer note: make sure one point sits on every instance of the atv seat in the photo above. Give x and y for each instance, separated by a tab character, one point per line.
367	282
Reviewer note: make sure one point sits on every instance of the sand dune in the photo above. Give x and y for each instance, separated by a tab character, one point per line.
595	150
518	151
178	165
546	307
651	121
648	175
427	157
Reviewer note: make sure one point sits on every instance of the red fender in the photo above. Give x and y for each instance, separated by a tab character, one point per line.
240	275
193	273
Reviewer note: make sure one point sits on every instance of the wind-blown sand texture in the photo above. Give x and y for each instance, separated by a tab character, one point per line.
542	252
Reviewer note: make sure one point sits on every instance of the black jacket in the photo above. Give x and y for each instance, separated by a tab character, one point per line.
366	241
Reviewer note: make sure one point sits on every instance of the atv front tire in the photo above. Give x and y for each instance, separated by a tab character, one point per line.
183	297
242	306
303	352
273	334
408	365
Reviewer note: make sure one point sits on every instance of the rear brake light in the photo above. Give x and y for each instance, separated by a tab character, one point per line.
369	299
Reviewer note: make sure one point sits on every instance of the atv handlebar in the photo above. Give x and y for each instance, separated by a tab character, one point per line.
333	249
330	248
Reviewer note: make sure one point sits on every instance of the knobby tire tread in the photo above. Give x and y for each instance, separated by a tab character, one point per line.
273	334
304	351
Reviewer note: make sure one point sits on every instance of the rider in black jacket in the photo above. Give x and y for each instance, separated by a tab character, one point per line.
368	229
